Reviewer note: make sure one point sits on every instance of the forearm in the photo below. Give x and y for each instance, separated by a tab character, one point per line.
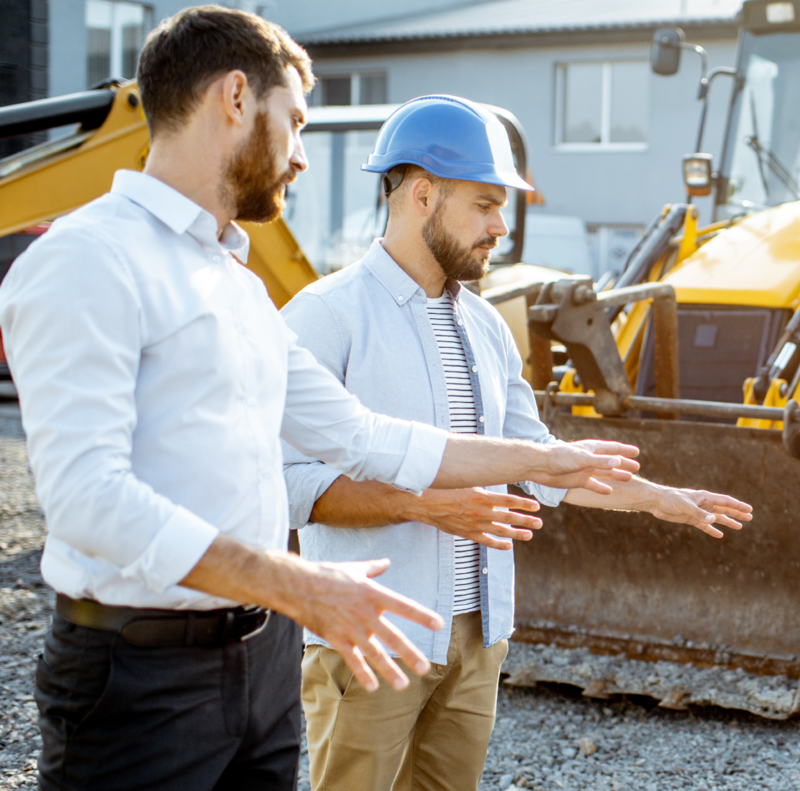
485	461
636	494
348	503
232	570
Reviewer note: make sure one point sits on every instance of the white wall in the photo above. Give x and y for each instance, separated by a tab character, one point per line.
599	187
67	49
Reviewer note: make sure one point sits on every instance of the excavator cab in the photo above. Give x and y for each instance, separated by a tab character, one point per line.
760	165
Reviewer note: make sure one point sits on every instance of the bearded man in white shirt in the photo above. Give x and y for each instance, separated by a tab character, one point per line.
156	379
402	334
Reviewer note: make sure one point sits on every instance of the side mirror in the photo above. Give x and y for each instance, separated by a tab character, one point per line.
665	52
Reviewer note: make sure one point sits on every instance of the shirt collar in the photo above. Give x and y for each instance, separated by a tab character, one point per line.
178	212
389	274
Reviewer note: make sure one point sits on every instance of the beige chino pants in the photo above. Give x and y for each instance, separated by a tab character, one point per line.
432	736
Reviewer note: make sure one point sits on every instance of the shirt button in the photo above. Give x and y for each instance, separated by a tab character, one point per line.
484	570
459	322
216	259
474	369
400	298
480	419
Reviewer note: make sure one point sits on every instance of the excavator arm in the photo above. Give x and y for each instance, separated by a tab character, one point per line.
47	181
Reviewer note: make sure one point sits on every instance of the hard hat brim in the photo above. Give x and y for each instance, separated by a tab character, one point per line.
467	171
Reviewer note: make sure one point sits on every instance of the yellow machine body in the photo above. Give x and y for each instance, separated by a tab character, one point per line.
755	262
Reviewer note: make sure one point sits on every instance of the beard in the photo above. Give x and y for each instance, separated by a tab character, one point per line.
250	182
458	262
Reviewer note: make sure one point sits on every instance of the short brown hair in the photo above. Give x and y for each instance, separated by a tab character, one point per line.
190	50
411	173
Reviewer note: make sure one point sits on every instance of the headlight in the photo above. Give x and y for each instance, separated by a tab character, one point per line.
697	174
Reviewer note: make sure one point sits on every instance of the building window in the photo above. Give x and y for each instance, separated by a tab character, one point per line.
349	89
115	36
602	105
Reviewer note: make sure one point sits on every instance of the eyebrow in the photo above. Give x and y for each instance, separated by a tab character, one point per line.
495	201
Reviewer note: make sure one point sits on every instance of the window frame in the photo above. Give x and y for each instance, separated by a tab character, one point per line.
605	143
355	85
116	44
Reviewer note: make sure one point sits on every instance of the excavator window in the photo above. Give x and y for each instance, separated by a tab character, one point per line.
718	348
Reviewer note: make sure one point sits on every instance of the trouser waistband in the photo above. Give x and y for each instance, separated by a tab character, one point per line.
149	627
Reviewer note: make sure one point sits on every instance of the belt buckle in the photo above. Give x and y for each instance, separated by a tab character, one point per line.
258	629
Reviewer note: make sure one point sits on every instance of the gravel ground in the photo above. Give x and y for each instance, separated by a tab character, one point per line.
547	737
25	606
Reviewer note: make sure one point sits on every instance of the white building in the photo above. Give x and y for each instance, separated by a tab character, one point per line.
605	136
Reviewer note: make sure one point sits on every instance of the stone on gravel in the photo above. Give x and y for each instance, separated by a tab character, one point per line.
587	746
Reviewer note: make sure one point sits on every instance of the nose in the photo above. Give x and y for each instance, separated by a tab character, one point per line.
298	160
497	225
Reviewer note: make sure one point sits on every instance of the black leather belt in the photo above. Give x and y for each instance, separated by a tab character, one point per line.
166	627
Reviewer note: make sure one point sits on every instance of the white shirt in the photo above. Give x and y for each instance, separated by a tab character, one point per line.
156	379
463	420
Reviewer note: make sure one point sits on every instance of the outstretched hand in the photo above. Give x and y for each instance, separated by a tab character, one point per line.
338	601
341	603
482	516
701	509
582	465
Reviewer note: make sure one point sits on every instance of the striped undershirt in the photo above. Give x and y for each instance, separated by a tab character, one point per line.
463	420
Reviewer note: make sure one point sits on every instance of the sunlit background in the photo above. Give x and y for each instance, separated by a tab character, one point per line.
605	136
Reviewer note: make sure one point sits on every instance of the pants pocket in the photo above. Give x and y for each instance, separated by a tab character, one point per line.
72	678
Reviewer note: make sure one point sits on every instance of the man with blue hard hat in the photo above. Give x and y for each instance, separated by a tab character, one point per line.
402	334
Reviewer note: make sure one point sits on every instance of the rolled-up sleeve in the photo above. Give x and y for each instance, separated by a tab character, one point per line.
522	420
72	321
322	420
306	481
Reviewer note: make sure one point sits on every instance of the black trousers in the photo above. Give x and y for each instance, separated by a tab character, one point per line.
116	717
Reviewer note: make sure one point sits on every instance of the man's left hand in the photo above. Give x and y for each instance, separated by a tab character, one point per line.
701	509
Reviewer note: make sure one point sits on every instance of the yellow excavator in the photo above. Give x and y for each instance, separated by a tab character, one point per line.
692	353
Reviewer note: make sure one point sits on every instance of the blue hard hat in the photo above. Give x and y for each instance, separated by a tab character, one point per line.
450	137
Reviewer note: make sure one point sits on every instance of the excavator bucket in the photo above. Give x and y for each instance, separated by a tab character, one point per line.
629	583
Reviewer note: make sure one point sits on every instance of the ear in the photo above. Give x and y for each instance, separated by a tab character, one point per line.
423	196
236	96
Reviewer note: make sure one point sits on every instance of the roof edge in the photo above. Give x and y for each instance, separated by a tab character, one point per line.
556	37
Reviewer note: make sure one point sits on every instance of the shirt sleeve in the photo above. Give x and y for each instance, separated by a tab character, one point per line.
522	420
326	423
72	325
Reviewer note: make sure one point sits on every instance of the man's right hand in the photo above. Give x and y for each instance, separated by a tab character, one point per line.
341	603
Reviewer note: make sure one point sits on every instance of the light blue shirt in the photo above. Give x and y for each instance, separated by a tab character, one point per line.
368	324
